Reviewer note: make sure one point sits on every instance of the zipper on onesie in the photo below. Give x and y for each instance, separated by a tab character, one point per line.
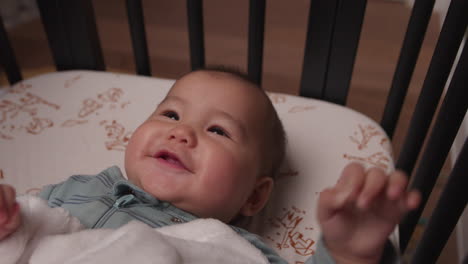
119	203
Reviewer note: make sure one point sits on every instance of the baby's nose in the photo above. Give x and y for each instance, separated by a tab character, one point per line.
183	134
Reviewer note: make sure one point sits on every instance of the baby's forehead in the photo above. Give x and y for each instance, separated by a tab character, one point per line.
213	82
223	85
210	76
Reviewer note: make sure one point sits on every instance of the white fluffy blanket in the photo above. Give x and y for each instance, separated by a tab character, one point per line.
52	236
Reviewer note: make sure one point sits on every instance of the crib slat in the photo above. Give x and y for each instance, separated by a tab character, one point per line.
320	27
448	121
56	34
346	33
256	36
417	27
7	57
72	34
450	207
82	34
195	27
136	22
445	52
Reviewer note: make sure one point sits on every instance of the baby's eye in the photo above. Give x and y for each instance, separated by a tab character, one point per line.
219	131
171	114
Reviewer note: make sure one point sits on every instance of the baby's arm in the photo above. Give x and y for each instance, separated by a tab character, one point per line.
359	213
10	217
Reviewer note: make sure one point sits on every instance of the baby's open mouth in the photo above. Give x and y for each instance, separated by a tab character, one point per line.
170	159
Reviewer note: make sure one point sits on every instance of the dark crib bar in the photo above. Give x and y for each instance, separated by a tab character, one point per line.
414	37
256	36
136	22
446	214
345	40
7	57
56	31
321	23
445	52
448	121
72	34
195	27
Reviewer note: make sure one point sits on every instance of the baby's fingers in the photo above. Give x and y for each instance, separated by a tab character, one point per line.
328	204
7	202
396	190
350	184
343	193
397	185
12	223
408	201
375	183
413	199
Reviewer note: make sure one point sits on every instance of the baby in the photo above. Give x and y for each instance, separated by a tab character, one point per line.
211	149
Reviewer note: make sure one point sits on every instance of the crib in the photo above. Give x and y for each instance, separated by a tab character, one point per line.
332	38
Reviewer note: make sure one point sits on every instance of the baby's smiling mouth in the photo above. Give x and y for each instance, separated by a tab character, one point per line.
170	159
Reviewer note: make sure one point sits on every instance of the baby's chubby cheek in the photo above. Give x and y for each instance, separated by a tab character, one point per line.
231	179
132	153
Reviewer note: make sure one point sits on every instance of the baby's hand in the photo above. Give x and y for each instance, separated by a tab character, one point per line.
9	211
358	214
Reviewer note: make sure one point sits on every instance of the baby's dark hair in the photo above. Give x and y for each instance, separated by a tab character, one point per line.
275	145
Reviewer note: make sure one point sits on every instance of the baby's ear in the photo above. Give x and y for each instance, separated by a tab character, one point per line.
259	196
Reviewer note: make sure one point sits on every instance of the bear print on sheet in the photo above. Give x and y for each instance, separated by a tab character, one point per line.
117	136
70	82
26	112
378	159
301	108
280	99
365	135
111	99
277	98
290	232
90	107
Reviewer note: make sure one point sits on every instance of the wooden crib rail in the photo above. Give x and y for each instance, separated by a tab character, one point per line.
256	37
72	34
196	33
346	34
417	27
136	21
451	35
450	207
7	56
333	32
450	116
445	129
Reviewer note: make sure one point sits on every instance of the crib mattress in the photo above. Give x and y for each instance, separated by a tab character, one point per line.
78	122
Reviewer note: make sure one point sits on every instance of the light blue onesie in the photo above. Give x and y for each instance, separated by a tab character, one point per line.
108	200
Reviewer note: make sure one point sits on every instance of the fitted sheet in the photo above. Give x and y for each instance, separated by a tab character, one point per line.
56	125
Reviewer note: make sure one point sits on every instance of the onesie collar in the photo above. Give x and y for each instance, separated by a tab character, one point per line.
123	187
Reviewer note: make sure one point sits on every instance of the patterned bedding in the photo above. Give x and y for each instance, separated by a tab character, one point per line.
78	122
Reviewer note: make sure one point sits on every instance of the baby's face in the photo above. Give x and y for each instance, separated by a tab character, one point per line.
201	149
